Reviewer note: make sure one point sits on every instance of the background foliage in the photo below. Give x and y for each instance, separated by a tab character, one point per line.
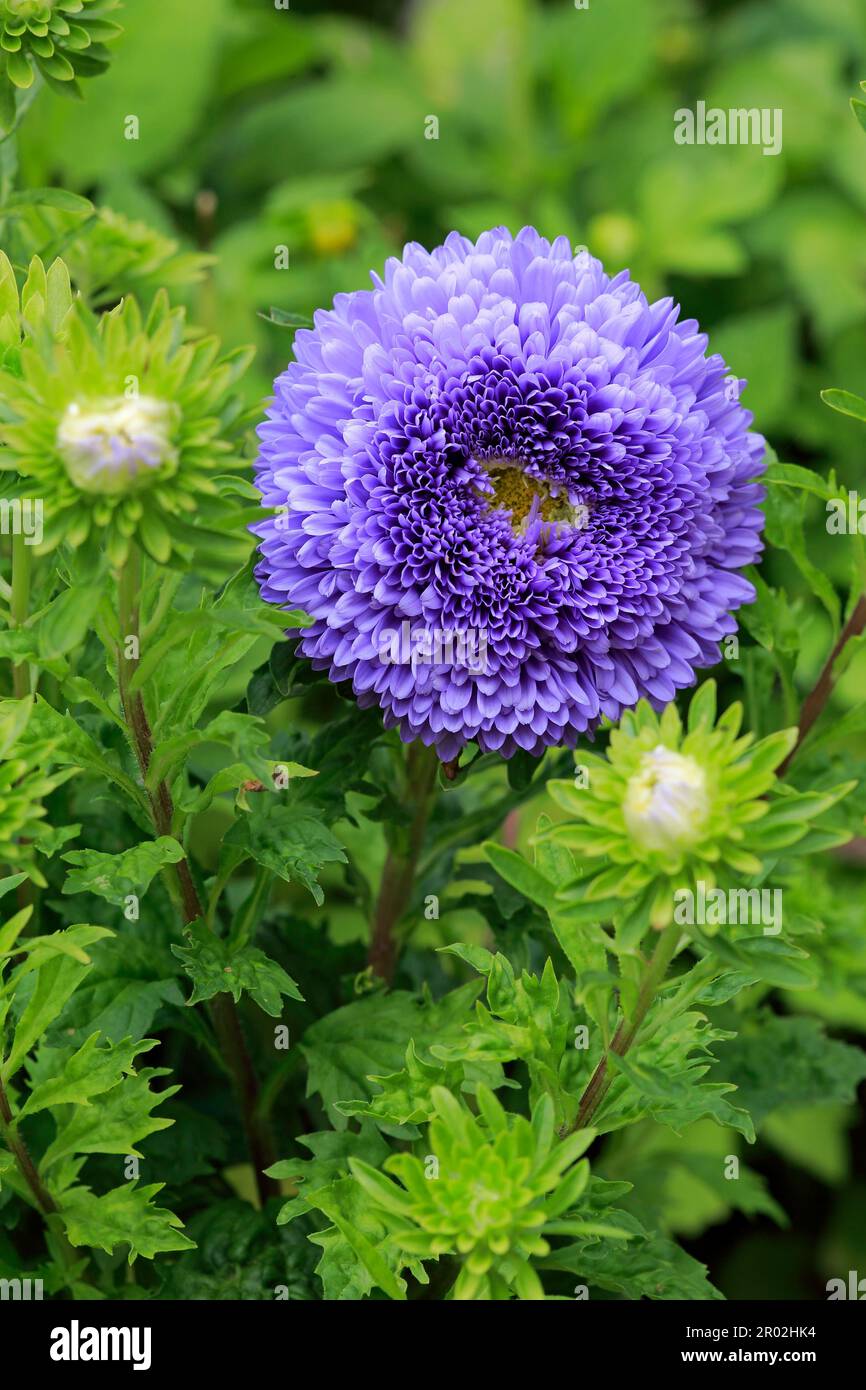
305	129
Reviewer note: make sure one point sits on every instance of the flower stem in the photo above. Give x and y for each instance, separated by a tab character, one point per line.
814	703
22	564
20	1152
600	1082
42	1199
223	1011
398	875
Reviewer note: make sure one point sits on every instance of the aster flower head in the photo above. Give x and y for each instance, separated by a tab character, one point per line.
671	806
62	40
120	421
499	1185
500	440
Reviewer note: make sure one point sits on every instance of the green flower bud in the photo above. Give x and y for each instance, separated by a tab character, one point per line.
119	469
488	1192
670	806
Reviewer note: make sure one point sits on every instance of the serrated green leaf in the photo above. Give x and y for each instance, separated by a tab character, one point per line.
214	966
127	1215
291	843
121	1119
680	1100
648	1266
64	1076
57	978
785	1061
369	1038
115	876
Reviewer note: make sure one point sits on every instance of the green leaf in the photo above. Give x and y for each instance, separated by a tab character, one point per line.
126	1215
680	1100
214	966
331	1150
64	624
291	843
57	978
771	619
121	1119
78	689
66	1076
785	528
74	747
282	319
745	1192
776	1062
115	876
240	1255
9	884
648	1266
845	402
361	1229
369	1038
59	198
204	627
520	874
406	1096
244	734
793	475
121	1004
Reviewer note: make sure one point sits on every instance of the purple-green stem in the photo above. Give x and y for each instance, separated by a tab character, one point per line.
401	862
42	1199
816	700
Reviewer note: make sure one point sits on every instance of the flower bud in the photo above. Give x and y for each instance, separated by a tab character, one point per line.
116	446
666	802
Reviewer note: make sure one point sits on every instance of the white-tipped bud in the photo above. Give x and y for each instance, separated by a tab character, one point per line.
666	801
115	446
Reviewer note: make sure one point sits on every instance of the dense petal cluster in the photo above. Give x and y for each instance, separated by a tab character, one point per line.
513	495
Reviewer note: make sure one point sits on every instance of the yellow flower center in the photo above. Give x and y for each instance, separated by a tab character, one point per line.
516	492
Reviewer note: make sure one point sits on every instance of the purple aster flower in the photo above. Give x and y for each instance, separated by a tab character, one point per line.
513	495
